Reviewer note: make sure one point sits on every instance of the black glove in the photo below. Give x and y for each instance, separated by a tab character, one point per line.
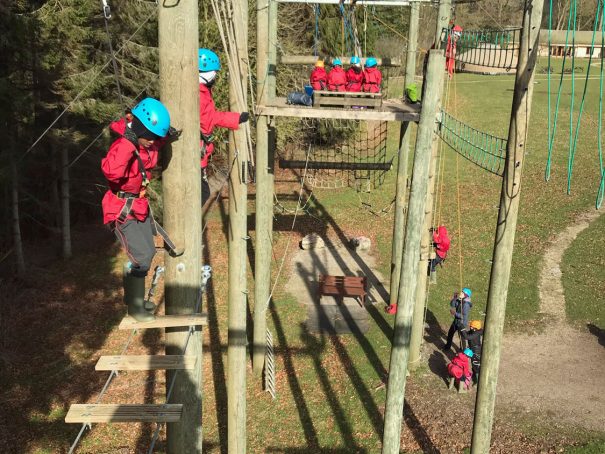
174	134
243	117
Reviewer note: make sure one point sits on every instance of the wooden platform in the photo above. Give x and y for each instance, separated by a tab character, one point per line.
391	110
84	413
145	362
343	286
165	321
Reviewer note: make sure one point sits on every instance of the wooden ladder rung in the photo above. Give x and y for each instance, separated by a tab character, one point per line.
145	362
85	413
165	321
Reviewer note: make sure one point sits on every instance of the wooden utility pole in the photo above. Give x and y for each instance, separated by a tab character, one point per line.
426	241
238	237
409	266
265	75
182	193
17	241
506	228
402	163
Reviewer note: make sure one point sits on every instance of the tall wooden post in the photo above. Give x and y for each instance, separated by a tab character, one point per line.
402	163
16	220
426	242
265	76
506	228
409	266
181	185
65	215
238	237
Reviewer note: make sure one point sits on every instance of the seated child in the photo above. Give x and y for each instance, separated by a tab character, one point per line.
459	369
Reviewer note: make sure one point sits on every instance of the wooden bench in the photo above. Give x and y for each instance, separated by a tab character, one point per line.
343	286
346	99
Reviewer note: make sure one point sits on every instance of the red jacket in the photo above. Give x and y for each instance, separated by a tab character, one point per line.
372	79
210	118
354	80
337	79
459	363
450	56
121	168
442	241
118	126
319	79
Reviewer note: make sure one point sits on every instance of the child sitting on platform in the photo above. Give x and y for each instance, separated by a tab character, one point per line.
372	77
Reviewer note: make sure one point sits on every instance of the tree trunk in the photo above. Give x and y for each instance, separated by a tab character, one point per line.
17	242
65	215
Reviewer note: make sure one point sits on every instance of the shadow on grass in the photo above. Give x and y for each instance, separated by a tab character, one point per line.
598	332
52	324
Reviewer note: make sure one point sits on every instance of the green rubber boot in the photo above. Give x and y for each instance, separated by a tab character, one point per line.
134	296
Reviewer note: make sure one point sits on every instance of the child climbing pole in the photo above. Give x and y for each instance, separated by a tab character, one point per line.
441	243
453	35
319	76
337	79
127	167
354	75
208	66
460	308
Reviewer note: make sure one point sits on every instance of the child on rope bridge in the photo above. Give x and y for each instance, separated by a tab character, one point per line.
127	167
319	76
460	308
355	75
208	66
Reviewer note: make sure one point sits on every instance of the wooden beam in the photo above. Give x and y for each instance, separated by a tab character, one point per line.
311	59
391	110
166	321
84	413
145	362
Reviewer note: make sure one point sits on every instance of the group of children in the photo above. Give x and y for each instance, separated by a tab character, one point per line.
355	79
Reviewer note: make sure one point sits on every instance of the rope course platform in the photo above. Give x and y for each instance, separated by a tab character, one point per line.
477	49
165	321
391	110
86	414
145	362
483	149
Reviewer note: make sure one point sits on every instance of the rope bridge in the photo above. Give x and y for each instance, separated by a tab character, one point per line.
483	149
488	48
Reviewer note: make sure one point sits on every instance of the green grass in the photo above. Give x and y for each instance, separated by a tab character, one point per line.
596	447
583	271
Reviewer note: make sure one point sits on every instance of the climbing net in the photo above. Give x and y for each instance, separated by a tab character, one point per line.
487	48
483	149
342	153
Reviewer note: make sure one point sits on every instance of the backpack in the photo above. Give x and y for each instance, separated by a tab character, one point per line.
301	99
454	370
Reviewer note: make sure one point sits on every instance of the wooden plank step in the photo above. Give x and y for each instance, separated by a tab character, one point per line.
165	321
145	362
87	413
343	94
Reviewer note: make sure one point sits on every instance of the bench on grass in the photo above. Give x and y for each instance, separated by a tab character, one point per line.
343	286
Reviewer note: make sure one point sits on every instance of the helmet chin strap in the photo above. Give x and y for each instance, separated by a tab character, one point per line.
207	78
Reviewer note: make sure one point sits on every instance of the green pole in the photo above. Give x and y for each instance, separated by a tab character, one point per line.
409	266
402	163
506	228
181	190
237	238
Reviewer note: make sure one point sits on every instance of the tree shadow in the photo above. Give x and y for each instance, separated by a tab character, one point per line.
52	324
420	434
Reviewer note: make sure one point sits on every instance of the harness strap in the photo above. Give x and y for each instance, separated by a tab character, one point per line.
126	209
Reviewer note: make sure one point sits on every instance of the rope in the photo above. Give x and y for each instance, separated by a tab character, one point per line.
73	101
106	17
573	7
601	190
316	35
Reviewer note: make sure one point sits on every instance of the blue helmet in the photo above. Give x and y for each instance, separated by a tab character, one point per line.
208	61
154	116
468	352
371	62
355	60
336	62
467	291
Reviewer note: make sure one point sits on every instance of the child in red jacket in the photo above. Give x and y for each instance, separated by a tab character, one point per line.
208	66
127	168
459	369
319	76
337	79
372	77
354	75
441	243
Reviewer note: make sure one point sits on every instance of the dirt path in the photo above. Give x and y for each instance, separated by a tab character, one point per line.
561	371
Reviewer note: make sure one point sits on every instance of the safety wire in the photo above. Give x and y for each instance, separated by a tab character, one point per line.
601	190
573	92
572	150
97	74
458	205
106	17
